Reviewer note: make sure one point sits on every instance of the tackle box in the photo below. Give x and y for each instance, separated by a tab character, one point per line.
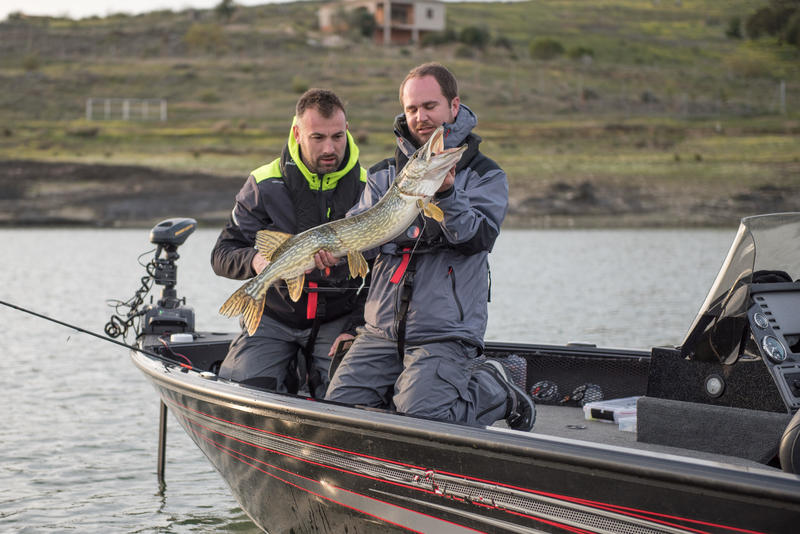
612	410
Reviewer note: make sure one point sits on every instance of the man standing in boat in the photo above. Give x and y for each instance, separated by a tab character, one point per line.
316	179
426	311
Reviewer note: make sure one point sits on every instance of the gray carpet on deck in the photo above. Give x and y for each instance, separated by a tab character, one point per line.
569	422
751	434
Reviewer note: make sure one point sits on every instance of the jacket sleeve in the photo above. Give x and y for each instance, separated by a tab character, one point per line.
233	253
474	209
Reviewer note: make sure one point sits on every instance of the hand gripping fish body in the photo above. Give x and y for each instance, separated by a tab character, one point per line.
291	256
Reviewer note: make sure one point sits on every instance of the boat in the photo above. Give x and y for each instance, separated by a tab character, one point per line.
701	437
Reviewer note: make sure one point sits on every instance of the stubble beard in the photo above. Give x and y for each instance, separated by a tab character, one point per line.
324	168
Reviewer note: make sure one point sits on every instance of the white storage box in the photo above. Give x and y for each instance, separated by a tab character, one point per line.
612	410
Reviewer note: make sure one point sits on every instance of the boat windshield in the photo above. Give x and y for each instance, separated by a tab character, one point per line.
766	249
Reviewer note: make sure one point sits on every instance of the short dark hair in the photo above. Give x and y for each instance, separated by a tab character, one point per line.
447	82
323	100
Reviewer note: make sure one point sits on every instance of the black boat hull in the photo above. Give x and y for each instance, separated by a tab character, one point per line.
298	465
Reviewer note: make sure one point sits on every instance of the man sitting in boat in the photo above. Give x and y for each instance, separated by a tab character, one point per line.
316	179
426	311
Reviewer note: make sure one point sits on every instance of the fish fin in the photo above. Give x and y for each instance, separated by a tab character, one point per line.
295	286
357	263
433	211
267	241
242	303
252	315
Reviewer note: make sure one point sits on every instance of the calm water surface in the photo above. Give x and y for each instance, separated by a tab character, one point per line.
78	440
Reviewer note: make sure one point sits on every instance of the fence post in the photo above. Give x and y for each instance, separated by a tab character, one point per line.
782	92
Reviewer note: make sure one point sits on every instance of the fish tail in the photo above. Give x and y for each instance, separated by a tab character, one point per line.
244	304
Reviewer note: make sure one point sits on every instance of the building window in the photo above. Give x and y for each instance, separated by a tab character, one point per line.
400	14
430	13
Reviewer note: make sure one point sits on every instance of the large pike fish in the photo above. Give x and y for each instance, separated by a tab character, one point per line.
291	256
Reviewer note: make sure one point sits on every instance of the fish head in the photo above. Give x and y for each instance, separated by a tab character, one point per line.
428	166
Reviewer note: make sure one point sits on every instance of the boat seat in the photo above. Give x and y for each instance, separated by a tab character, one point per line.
789	451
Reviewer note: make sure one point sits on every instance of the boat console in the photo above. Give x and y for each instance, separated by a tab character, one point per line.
734	384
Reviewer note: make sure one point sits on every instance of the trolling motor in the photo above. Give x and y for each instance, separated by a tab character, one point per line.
169	315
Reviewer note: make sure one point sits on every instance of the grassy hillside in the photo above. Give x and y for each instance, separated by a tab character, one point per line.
668	118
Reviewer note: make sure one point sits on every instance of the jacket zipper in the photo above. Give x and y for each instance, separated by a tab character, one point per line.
323	203
452	274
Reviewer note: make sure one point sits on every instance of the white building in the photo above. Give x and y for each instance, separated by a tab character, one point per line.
398	21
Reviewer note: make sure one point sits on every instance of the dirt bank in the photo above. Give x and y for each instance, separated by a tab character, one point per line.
34	193
590	204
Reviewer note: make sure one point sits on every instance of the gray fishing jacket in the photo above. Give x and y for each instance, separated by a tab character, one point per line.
449	259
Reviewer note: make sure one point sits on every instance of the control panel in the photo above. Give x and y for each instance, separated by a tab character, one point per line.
775	325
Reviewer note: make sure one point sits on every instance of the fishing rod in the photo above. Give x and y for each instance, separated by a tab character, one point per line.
94	334
162	423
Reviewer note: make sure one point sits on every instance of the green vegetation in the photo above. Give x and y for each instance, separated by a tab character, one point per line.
225	9
475	36
780	19
657	94
546	48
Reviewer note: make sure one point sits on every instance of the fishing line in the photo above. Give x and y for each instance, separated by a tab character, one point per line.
419	237
98	336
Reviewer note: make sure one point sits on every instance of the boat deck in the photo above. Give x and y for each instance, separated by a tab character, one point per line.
569	422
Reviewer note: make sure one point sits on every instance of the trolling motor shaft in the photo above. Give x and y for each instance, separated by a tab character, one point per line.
170	314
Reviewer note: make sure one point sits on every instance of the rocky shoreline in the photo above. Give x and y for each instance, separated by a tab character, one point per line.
36	193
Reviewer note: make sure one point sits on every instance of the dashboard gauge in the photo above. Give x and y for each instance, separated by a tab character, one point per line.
774	349
760	320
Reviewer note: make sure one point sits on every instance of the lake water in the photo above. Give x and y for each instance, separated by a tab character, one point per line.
78	441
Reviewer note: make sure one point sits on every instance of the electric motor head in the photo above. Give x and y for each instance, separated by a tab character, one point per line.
172	232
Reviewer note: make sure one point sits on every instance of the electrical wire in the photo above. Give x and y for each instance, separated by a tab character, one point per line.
127	312
164	342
